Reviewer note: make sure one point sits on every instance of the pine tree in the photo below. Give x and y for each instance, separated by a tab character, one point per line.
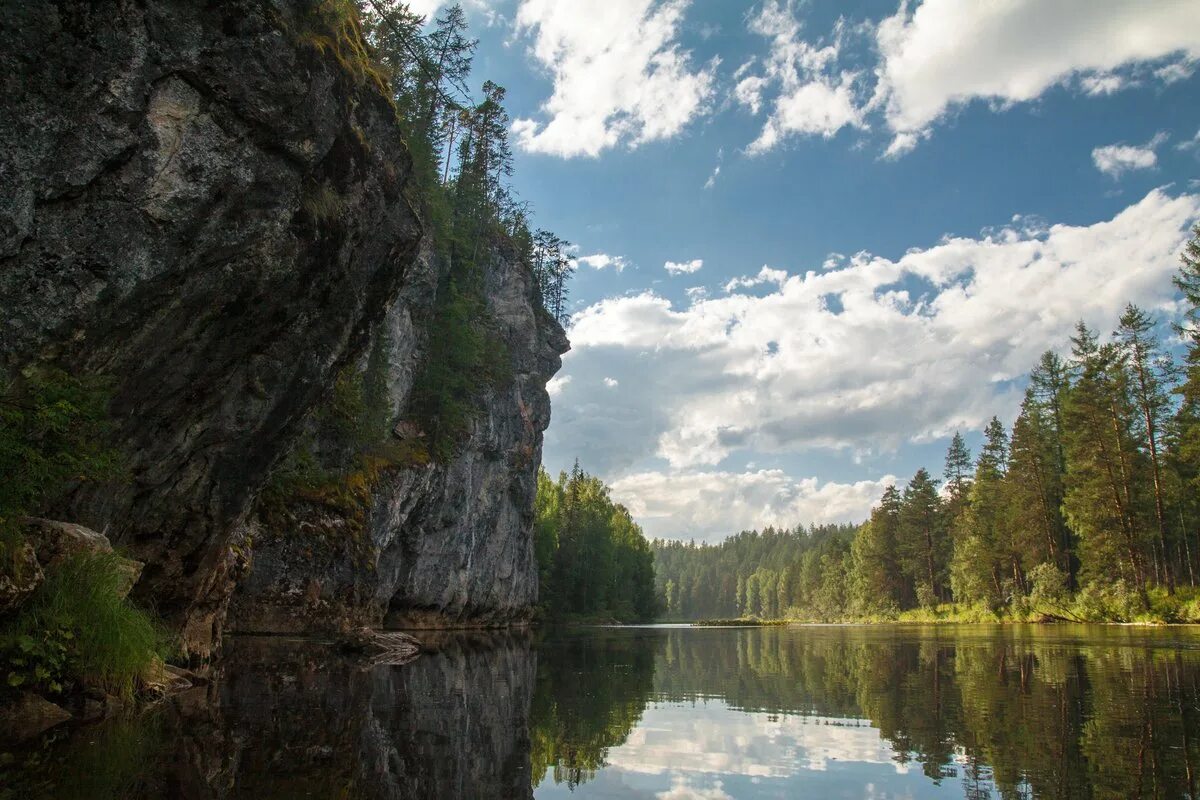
877	585
958	475
1033	488
1185	426
1151	372
982	552
1099	497
924	545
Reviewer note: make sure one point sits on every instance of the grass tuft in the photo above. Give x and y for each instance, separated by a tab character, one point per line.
77	628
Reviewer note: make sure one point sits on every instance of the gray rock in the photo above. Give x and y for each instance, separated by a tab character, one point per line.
160	163
27	716
444	544
56	541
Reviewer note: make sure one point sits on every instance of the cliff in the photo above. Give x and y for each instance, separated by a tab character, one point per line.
431	544
222	219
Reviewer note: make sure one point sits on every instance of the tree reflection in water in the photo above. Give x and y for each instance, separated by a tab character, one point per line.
1005	712
975	712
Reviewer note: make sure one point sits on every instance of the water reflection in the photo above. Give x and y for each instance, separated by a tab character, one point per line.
1054	712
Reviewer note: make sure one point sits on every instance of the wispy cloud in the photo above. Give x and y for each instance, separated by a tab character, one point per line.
1115	159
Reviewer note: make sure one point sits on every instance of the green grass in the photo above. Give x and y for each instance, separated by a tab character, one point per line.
76	628
716	623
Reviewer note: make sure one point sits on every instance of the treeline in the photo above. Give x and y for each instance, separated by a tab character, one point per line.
764	574
1086	508
593	561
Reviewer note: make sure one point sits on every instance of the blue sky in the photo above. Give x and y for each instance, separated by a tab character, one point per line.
912	202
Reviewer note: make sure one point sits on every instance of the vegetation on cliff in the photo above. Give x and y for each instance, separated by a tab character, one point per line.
1085	510
593	561
76	627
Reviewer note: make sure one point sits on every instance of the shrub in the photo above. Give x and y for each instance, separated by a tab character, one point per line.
1047	585
77	627
1115	602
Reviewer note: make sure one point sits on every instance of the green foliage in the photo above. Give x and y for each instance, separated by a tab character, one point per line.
593	560
54	431
463	361
348	448
1108	602
77	627
334	28
37	660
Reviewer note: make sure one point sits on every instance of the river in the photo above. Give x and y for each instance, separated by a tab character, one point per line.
672	713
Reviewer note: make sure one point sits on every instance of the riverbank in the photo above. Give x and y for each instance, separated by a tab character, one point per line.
1126	608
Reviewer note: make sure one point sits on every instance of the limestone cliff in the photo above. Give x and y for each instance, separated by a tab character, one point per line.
222	219
438	544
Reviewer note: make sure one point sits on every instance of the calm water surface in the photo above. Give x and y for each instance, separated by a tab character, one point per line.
668	713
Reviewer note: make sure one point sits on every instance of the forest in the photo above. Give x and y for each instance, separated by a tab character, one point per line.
594	563
1085	509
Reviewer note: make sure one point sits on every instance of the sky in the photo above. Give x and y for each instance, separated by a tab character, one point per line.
816	238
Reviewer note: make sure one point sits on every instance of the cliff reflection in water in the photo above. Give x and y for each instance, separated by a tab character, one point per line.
1054	712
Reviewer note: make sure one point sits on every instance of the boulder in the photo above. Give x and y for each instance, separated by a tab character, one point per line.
28	716
56	541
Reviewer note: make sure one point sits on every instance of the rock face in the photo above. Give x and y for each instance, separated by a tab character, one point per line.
442	544
216	216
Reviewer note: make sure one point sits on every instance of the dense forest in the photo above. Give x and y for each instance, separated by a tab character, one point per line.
593	560
1085	509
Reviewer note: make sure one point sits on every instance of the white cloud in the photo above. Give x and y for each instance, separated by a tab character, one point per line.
695	293
1115	159
913	348
619	74
712	178
603	261
611	383
765	275
712	505
946	53
555	386
811	96
684	267
1177	71
1102	83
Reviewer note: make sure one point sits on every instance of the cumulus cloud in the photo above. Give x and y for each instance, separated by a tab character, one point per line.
684	267
603	261
872	354
946	53
611	383
812	97
713	504
1115	159
620	76
765	275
